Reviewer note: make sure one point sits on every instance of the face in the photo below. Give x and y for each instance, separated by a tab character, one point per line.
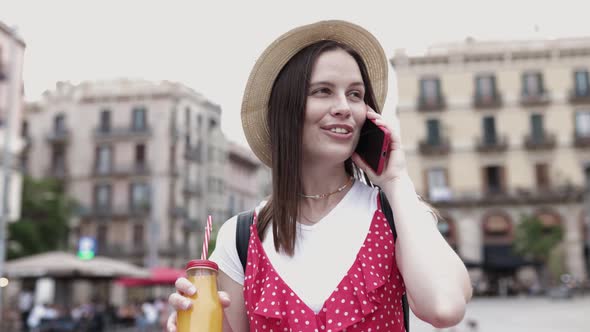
335	110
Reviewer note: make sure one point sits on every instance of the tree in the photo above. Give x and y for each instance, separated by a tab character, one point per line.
43	225
537	241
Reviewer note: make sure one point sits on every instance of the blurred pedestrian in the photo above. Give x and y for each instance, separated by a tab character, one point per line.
25	304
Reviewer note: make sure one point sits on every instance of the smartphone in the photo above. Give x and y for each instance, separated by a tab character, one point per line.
373	146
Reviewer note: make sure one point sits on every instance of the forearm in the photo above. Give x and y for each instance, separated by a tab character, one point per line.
436	279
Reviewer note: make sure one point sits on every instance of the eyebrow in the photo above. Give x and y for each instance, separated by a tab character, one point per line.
332	84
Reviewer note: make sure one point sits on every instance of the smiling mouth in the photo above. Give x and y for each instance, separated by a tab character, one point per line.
339	130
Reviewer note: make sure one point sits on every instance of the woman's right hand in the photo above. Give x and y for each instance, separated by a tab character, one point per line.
180	300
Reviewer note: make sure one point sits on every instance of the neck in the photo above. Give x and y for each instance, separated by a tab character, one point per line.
318	180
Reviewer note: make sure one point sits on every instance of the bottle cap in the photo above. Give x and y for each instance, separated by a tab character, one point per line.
202	264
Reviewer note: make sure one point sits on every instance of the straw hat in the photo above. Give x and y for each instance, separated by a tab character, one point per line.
272	60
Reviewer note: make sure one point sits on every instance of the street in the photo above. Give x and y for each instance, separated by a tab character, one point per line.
520	315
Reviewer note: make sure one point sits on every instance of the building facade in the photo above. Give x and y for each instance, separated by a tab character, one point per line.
12	49
247	181
145	162
495	131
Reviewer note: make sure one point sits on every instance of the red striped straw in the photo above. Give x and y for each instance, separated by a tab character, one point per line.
204	253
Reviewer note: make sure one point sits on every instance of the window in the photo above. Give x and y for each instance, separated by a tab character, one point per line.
105	121
438	189
140	155
489	130
187	142
583	124
532	84
542	176
494	179
58	162
187	117
582	83
59	123
104	159
211	154
430	90
537	131
138	121
231	205
25	129
140	196
102	197
138	235
485	87
212	123
433	132
587	175
101	236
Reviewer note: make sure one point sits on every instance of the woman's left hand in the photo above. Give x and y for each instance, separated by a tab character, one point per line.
395	166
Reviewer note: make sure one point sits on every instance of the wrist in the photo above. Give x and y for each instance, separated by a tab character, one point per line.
400	181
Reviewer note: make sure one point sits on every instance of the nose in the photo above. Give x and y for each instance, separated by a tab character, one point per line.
341	107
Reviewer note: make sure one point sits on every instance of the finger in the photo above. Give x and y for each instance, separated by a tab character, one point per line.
179	302
185	287
224	299
373	115
371	110
171	322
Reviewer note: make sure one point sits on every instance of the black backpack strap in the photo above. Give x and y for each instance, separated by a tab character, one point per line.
386	208
245	220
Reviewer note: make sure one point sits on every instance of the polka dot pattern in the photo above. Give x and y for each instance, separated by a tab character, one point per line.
368	298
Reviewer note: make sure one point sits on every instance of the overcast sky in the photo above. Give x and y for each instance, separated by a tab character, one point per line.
212	45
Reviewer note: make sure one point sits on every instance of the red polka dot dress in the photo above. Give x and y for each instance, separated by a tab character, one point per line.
368	298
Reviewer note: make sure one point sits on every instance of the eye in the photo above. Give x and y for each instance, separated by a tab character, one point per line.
357	94
320	91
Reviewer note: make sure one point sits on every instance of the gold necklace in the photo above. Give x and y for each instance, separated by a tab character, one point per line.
320	196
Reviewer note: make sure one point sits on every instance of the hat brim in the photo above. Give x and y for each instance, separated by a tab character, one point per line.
277	54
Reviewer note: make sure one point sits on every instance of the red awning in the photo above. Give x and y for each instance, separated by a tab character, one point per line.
158	276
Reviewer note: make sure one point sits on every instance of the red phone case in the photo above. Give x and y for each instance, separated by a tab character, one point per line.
384	151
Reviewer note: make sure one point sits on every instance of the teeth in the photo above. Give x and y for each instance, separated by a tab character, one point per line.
339	130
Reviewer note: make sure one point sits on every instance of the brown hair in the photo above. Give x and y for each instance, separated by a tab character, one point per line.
286	114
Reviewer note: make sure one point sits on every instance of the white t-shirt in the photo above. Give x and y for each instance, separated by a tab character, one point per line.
324	252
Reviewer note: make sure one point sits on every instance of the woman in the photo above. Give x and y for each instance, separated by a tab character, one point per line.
322	256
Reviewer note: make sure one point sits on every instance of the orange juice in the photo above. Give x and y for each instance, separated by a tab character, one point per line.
206	313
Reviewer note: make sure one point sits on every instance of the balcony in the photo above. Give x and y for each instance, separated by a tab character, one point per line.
579	98
121	133
542	142
541	99
178	212
440	194
487	102
191	189
491	144
115	212
440	147
193	154
122	170
581	141
61	136
514	197
431	104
